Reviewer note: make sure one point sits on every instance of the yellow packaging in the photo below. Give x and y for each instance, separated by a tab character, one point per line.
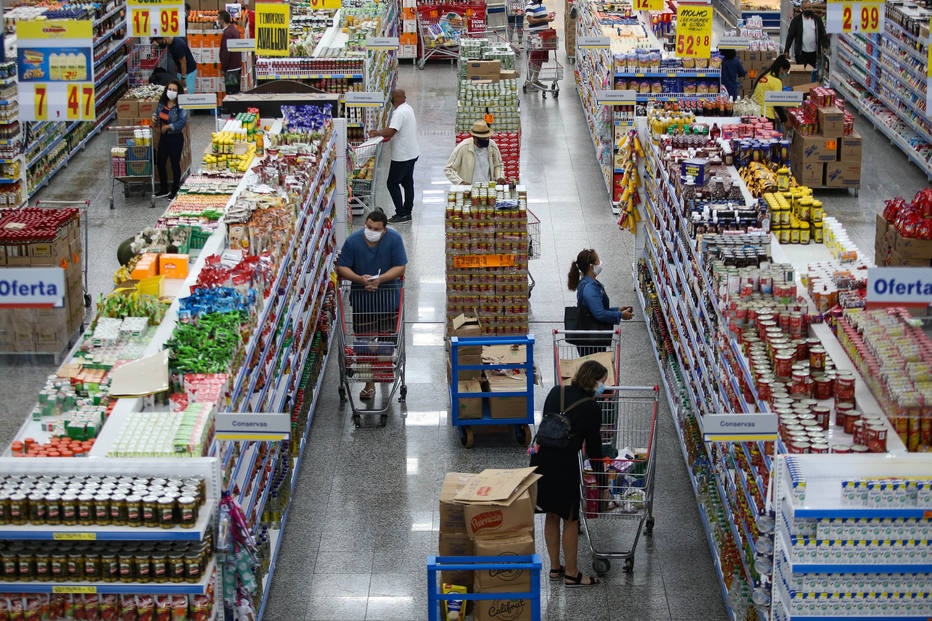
453	609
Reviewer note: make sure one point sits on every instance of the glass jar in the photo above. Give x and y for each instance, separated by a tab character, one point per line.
92	567
37	508
18	508
58	565
192	566
187	511
159	563
53	508
8	566
85	505
118	509
166	511
69	508
4	507
134	510
42	570
150	515
126	561
143	566
109	566
74	566
176	566
102	509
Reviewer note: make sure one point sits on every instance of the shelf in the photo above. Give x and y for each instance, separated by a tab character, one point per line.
116	9
129	588
32	532
311	76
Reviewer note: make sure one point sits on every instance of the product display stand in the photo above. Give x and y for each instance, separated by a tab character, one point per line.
12	163
883	76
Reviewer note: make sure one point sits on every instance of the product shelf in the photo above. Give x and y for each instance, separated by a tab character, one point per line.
32	532
738	534
204	585
116	9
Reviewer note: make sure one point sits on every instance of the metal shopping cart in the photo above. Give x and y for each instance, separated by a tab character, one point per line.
570	347
542	63
439	38
372	348
618	504
533	246
364	159
131	160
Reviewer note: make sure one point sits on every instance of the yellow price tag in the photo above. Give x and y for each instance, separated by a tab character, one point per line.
64	588
80	102
694	31
648	5
326	4
860	17
66	536
140	21
40	102
483	260
168	23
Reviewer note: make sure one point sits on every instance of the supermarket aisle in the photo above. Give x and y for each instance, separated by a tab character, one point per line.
365	513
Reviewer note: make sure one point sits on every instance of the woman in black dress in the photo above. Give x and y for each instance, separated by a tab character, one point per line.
558	488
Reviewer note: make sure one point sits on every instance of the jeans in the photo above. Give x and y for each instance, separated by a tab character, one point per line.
401	177
170	148
189	81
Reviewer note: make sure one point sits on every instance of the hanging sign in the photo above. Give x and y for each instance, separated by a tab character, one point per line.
790	99
900	285
648	5
197	101
382	43
54	64
853	17
738	427
483	260
364	99
594	43
156	18
694	30
272	22
264	427
616	98
734	43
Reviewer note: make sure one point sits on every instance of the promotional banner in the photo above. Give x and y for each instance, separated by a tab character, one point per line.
648	5
694	30
32	287
853	17
155	18
272	21
899	285
55	67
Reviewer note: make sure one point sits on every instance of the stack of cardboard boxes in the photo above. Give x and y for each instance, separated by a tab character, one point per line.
132	111
892	249
826	152
42	330
490	514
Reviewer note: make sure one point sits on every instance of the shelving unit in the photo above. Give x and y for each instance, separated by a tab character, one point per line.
12	162
827	557
883	76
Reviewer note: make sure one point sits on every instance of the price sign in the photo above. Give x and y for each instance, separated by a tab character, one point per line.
241	45
364	99
783	98
734	43
616	98
694	30
272	23
325	4
55	70
75	589
198	101
382	43
483	260
648	5
854	17
156	18
594	43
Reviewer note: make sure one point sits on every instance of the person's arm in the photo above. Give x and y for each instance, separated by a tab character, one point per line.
498	165
346	273
795	24
224	50
178	124
592	298
452	168
824	40
181	59
741	70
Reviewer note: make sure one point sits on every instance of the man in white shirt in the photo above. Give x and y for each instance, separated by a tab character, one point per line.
806	35
476	159
402	132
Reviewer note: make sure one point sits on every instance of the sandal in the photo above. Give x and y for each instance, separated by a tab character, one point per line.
556	574
367	393
578	581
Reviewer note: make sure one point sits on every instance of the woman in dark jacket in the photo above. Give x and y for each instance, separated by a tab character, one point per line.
583	279
169	121
558	488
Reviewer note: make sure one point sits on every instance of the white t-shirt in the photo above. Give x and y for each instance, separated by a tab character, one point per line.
480	171
809	34
404	143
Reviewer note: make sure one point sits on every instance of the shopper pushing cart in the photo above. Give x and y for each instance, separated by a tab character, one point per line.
371	316
541	45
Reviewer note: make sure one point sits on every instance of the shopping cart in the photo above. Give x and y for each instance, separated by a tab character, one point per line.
542	64
568	355
141	61
439	38
131	161
618	504
533	245
364	159
372	347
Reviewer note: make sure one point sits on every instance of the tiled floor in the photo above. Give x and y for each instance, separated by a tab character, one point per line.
364	516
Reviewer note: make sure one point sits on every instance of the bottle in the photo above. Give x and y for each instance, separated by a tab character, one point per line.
260	142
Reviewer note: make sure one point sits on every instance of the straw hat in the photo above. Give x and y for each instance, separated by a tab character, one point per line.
480	130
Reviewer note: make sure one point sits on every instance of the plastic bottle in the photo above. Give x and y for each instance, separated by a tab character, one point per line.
260	142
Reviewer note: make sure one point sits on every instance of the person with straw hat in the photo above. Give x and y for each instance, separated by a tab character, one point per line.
476	159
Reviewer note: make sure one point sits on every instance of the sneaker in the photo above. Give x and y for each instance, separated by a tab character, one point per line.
398	218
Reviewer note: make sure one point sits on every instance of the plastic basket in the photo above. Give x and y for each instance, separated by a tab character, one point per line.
139	169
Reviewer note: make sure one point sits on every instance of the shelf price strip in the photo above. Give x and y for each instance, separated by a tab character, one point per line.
55	70
738	427
156	18
853	17
694	30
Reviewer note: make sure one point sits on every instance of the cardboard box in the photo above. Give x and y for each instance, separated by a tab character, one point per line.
452	512
811	174
910	248
462	375
501	609
850	148
173	265
146	267
831	121
456	544
508	74
127	109
470	407
483	69
499	503
569	366
503	579
465	325
146	108
842	175
799	74
813	149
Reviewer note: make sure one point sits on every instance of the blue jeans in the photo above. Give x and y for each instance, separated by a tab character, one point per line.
189	81
401	177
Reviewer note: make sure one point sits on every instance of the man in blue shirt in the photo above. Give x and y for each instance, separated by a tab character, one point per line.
373	260
178	50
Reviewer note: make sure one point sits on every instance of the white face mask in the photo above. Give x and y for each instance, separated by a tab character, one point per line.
373	236
597	269
172	95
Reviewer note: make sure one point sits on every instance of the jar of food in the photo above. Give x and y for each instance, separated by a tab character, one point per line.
37	508
187	511
58	565
53	508
19	506
118	509
42	566
159	562
192	566
85	506
126	563
109	566
69	508
92	567
134	510
74	566
166	511
150	515
176	566
102	509
9	566
143	566
4	507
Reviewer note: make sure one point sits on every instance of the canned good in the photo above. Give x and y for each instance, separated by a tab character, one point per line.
844	386
166	511
817	356
823	415
851	419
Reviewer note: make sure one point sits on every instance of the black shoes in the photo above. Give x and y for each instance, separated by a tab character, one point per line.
398	219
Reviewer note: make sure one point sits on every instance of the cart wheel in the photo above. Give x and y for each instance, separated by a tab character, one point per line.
152	203
523	434
383	420
403	393
342	392
467	437
556	90
420	64
87	300
356	422
524	87
649	526
629	564
111	202
601	565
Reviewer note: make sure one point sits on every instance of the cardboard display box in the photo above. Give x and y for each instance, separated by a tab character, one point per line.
483	70
813	149
842	175
831	121
470	407
499	503
454	540
501	609
507	407
850	148
504	579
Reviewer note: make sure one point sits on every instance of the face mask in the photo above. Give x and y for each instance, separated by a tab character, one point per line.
481	142
599	389
373	236
172	95
597	269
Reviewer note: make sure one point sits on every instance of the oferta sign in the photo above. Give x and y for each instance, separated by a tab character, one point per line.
899	285
32	287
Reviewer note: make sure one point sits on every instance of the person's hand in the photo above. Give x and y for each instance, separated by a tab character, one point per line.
501	181
627	312
371	283
164	129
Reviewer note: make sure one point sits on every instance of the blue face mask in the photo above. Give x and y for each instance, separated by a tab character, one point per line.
599	389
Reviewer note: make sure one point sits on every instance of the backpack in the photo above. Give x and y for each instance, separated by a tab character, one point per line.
555	430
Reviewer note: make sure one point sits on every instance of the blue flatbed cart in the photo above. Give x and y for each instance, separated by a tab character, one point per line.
526	562
521	421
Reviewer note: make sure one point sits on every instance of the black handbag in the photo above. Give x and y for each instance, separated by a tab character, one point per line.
580	318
